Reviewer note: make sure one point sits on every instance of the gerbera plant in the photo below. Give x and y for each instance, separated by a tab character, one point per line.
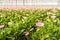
30	25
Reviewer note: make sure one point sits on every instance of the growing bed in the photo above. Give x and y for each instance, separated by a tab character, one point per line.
30	24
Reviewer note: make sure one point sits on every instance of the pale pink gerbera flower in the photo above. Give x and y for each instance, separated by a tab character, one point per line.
49	13
1	26
53	16
39	24
31	29
26	33
9	23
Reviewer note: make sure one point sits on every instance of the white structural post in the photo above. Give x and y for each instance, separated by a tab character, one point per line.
0	2
28	2
58	2
19	2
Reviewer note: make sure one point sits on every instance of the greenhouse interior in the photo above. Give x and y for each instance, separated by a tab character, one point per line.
29	19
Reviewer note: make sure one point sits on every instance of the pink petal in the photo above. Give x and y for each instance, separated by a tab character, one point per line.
26	33
53	17
1	26
31	29
39	24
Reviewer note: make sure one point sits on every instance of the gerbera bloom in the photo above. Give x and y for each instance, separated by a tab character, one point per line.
39	24
26	33
53	16
31	29
1	26
48	13
9	23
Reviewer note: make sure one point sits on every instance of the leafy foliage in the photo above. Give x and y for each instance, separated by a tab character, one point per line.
13	24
